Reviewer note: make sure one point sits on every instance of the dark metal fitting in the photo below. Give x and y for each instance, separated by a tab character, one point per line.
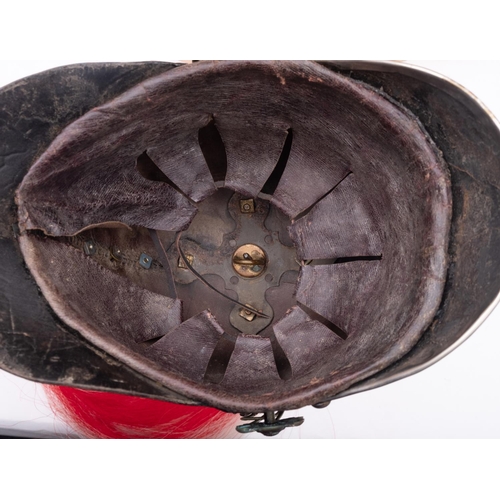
323	404
268	423
89	247
145	260
116	254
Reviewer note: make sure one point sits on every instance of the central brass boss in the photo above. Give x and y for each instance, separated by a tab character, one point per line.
249	261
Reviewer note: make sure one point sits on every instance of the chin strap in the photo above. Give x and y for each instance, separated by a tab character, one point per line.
268	423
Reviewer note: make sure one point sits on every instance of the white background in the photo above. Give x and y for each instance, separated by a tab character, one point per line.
456	398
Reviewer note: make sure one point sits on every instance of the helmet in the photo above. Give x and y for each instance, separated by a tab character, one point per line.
253	236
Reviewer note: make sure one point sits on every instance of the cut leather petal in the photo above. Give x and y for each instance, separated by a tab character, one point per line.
179	157
356	309
301	338
296	191
343	224
187	348
252	363
251	140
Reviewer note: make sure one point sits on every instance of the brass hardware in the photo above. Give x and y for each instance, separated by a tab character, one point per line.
249	261
246	314
247	206
182	264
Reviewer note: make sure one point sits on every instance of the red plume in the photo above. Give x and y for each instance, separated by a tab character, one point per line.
106	415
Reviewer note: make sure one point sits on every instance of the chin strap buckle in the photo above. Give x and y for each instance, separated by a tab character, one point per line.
268	423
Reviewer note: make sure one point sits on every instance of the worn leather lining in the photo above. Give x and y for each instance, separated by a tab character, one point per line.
395	204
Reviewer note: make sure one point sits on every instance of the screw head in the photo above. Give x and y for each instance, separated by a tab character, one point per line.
145	261
249	261
116	254
89	247
247	206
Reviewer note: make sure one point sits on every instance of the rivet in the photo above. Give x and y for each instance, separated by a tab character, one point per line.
145	260
89	247
116	254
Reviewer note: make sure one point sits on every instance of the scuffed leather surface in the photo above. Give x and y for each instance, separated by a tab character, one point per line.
187	349
470	142
34	342
301	338
348	222
113	314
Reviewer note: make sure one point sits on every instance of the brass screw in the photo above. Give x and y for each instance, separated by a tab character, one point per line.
247	206
249	261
